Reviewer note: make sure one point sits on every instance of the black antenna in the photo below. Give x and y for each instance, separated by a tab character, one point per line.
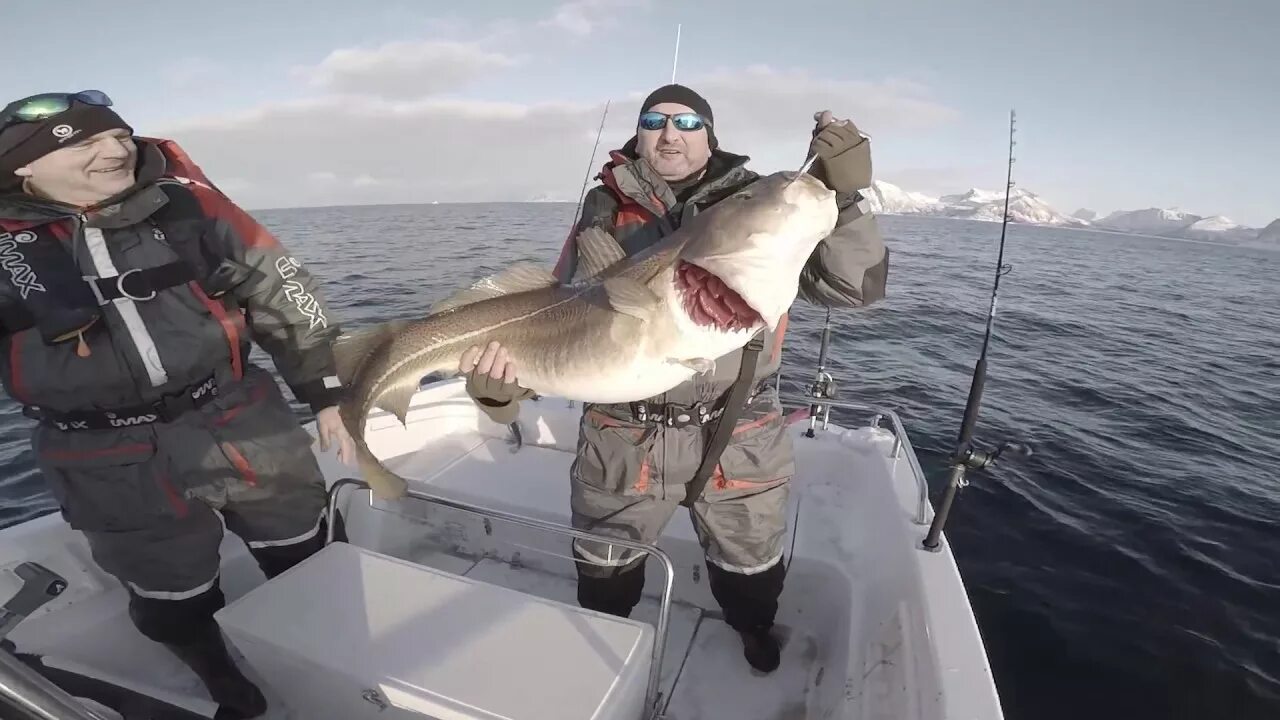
966	457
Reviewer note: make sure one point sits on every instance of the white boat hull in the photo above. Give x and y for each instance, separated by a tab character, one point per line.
875	626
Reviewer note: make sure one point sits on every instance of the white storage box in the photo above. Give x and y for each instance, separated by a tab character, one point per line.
349	630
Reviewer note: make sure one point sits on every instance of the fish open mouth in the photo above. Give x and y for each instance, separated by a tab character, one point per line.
709	302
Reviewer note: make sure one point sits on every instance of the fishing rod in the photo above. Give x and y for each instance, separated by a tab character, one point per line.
823	383
676	59
590	164
517	434
966	456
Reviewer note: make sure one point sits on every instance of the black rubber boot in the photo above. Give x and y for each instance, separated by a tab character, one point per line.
187	628
761	649
237	697
617	594
750	603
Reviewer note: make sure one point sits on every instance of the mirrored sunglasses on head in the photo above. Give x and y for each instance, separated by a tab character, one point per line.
45	105
688	121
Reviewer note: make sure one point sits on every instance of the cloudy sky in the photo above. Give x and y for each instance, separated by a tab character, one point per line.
1122	103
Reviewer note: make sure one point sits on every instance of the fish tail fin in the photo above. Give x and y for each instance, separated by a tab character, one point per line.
385	484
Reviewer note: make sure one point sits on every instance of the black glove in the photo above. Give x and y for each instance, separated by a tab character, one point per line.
844	156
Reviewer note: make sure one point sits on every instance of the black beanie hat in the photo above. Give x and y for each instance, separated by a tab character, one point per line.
25	142
684	96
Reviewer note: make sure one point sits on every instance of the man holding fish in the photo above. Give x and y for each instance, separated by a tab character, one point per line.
636	458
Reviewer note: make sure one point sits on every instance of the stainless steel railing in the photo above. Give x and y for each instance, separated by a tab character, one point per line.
24	692
652	695
34	696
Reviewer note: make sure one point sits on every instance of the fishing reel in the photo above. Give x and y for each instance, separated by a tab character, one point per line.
823	387
977	459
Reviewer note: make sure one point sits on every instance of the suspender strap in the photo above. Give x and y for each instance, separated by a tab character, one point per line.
728	420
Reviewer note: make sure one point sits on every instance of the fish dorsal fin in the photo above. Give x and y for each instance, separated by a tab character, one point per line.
521	277
350	350
631	297
598	251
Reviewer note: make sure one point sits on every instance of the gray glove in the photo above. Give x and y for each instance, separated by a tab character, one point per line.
498	399
844	156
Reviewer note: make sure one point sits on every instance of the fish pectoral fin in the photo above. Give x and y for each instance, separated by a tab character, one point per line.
631	297
350	350
520	277
396	400
700	365
597	251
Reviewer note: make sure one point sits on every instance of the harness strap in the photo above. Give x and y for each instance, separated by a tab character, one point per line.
141	284
167	409
59	299
724	428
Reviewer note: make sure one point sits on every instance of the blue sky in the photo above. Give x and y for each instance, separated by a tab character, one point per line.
1121	105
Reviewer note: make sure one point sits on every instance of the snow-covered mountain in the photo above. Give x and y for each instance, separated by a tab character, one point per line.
890	199
1175	223
1152	221
547	197
1269	234
1218	228
1027	207
1024	206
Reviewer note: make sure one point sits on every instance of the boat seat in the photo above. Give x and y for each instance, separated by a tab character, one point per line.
352	633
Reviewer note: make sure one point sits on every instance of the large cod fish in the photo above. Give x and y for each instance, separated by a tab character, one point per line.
630	329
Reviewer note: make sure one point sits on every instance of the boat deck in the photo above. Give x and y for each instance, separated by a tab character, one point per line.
862	637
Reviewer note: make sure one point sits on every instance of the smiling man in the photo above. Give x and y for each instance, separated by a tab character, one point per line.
131	293
635	461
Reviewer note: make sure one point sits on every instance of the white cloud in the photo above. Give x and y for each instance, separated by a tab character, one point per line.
235	186
422	68
346	149
764	100
191	73
379	151
405	69
322	177
387	125
582	17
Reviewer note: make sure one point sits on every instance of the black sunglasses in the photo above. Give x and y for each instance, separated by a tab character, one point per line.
46	105
687	122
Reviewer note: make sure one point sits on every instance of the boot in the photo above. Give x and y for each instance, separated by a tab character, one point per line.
750	603
236	696
761	649
617	594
